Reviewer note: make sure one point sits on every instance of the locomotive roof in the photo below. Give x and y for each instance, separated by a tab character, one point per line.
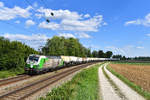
36	55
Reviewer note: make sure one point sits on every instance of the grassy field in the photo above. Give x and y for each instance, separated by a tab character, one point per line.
10	73
83	86
134	76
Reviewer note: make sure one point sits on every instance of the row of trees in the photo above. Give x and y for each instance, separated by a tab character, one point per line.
13	54
120	56
140	58
101	54
71	47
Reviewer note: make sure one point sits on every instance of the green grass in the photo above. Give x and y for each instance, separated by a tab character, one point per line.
10	73
83	86
132	63
138	89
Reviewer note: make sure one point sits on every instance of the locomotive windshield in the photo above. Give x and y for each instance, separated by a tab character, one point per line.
33	58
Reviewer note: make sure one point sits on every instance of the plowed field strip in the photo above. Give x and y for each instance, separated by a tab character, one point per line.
140	75
126	92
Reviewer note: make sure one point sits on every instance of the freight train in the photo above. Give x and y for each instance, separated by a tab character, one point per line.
37	64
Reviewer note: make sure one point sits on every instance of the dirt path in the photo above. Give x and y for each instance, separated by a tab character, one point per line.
110	92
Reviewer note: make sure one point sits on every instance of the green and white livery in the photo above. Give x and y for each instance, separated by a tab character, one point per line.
40	63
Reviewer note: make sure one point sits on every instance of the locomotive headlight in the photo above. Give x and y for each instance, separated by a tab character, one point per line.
31	66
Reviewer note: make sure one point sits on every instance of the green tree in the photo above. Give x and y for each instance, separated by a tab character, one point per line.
13	54
95	53
57	46
117	56
54	46
108	54
101	54
89	54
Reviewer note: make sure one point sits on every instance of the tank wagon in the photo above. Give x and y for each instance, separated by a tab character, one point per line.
36	64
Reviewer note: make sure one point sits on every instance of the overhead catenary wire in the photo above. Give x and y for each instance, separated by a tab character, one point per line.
29	3
51	13
33	9
19	28
44	3
15	26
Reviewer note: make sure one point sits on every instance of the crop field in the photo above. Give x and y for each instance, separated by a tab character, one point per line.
139	74
132	63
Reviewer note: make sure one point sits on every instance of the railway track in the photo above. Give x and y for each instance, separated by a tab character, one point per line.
28	90
13	80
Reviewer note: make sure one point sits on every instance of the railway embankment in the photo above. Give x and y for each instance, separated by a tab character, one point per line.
10	73
83	86
34	87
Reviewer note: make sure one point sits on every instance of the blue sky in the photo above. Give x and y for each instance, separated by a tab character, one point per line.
122	26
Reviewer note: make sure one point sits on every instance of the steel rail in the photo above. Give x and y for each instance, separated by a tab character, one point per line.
13	80
41	84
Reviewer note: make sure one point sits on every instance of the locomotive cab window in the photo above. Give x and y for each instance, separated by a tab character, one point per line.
33	58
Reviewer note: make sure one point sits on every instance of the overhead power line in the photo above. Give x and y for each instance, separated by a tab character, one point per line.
44	3
34	19
28	3
51	13
16	26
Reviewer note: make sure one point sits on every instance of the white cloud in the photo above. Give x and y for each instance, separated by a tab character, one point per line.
52	25
140	47
11	13
129	50
84	35
33	37
148	35
144	22
136	22
77	35
17	22
34	40
105	23
70	21
87	16
67	35
58	14
29	23
1	4
90	25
